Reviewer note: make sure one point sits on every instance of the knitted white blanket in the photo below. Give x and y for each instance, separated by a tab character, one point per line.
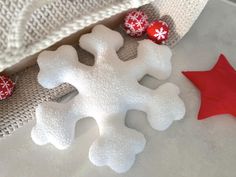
28	26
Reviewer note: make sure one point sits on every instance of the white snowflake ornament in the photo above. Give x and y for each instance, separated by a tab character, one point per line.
107	91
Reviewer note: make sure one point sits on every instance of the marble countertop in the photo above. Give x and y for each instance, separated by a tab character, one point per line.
189	148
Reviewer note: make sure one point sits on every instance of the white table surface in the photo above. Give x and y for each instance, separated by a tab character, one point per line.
189	148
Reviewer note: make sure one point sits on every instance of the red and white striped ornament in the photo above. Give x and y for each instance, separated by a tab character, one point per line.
136	23
6	87
158	31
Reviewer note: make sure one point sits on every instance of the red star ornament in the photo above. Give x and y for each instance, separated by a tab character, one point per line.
217	87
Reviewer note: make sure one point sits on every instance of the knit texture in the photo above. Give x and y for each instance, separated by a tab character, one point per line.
28	26
49	22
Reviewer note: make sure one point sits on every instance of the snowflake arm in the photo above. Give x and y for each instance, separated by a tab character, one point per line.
152	59
117	145
56	122
102	43
162	106
60	66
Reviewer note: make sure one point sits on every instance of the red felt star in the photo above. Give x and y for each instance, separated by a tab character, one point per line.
217	87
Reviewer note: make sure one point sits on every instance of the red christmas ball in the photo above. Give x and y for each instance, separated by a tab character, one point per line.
158	31
136	23
6	87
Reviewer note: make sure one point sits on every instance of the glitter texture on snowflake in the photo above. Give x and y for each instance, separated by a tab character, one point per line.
107	91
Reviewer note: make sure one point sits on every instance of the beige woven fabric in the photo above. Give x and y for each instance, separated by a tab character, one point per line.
19	108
